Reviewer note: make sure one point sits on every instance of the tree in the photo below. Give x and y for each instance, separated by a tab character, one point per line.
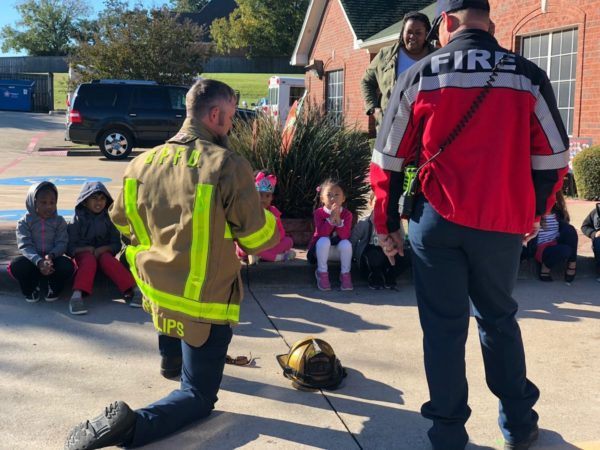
49	27
140	44
262	27
189	5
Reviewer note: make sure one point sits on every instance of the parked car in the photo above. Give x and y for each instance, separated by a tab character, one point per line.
118	115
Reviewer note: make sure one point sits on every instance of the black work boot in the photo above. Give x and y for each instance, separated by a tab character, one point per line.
114	426
525	443
170	367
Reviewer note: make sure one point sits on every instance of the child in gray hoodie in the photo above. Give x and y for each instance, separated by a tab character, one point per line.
42	240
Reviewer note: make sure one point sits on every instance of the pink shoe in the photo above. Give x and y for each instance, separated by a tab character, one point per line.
323	281
346	282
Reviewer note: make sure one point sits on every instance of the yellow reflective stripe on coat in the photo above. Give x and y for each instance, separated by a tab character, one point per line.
228	234
203	310
124	230
131	211
200	242
130	195
261	236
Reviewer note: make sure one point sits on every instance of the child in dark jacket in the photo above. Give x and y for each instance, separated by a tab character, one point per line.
42	240
591	228
374	265
94	241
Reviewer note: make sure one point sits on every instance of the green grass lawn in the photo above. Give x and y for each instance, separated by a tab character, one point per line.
60	90
252	86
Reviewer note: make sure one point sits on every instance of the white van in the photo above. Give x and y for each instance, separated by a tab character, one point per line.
283	92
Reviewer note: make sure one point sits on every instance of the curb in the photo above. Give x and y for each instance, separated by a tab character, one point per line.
300	273
284	274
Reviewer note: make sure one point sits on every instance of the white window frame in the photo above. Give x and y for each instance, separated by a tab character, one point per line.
560	81
334	96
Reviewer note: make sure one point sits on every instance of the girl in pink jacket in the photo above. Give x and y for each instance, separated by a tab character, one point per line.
330	241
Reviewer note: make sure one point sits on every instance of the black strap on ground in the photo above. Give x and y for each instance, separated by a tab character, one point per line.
289	347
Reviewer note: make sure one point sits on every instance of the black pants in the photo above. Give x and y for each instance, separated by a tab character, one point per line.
564	250
29	276
452	264
201	376
596	248
374	261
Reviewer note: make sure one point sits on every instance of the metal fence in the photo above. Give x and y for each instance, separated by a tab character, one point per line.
42	92
34	64
216	64
41	70
239	64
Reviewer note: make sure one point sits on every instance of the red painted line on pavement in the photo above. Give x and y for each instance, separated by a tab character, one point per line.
28	151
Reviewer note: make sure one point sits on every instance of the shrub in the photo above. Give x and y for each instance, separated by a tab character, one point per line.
318	150
586	168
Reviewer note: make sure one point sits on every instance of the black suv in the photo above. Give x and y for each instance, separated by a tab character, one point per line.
118	115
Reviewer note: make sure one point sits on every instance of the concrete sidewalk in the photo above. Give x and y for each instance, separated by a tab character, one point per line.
59	369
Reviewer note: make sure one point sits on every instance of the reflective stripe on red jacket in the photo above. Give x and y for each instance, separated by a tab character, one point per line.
503	168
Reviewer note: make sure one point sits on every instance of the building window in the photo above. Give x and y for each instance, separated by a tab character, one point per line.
556	53
335	96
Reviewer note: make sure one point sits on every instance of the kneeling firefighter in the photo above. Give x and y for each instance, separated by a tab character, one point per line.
182	205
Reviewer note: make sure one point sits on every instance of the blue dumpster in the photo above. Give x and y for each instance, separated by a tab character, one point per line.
16	95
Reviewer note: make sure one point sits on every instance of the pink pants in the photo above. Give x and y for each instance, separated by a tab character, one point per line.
269	255
87	264
284	245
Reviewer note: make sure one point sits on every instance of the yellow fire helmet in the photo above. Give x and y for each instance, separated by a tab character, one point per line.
311	363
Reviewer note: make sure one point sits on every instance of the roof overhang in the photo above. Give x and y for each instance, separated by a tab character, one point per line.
310	28
374	45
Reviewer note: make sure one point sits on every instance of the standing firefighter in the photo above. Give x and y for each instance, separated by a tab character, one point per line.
182	204
484	126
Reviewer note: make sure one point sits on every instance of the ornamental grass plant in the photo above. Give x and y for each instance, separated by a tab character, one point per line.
319	149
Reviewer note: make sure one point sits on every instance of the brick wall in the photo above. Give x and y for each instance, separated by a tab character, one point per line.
516	18
334	45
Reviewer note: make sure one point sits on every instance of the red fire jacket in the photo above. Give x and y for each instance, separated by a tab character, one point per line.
505	166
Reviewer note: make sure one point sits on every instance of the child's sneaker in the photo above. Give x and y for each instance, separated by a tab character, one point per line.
346	282
375	281
51	296
323	281
76	305
390	280
287	256
134	297
34	297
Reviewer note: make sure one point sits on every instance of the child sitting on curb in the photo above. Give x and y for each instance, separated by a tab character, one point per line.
591	228
42	240
265	185
330	241
93	242
556	242
374	265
